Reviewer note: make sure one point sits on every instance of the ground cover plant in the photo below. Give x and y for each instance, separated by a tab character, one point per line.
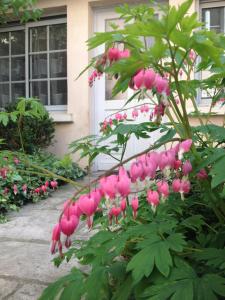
160	220
27	173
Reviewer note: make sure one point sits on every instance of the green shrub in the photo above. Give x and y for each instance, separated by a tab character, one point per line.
21	182
37	131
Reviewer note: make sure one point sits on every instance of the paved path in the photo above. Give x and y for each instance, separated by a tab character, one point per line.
25	260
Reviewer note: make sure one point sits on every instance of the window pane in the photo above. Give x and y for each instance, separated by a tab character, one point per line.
58	92
214	19
57	37
38	39
39	66
39	90
18	42
4	94
18	90
58	65
4	44
18	68
4	69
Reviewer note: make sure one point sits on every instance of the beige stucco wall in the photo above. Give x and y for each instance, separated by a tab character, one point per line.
80	26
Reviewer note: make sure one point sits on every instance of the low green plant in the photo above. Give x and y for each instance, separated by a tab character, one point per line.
26	125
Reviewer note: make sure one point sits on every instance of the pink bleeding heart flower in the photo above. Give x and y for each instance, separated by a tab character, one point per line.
55	237
176	185
134	205
118	117
68	224
71	208
186	168
54	184
6	190
123	206
16	160
159	110
192	55
124	54
124	116
202	174
15	189
3	172
185	186
144	108
24	187
139	79
161	84
37	190
163	189
87	205
124	182
44	188
184	147
115	212
47	183
149	78
96	194
153	199
177	164
167	160
113	54
108	185
135	113
136	171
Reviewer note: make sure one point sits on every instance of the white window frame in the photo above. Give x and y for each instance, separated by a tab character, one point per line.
27	80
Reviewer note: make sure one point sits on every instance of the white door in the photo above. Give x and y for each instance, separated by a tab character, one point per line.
104	105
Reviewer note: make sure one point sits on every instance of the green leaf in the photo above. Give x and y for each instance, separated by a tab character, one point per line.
96	284
54	289
217	172
194	222
124	290
212	256
141	264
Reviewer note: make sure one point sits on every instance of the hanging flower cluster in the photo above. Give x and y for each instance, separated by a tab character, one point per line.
148	79
156	173
113	55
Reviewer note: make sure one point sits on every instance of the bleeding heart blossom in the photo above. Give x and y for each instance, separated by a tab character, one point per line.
134	205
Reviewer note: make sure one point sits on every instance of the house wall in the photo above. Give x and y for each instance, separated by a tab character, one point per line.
75	123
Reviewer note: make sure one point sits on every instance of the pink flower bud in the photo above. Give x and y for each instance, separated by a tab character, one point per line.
123	206
163	188
134	205
113	54
37	190
136	171
202	174
47	183
69	224
176	185
153	198
15	189
135	113
44	188
54	184
55	237
186	168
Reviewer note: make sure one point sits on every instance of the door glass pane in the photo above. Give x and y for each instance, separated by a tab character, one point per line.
58	92
18	68
38	37
39	66
214	19
58	65
18	90
4	44
39	90
4	69
57	37
4	94
110	82
18	42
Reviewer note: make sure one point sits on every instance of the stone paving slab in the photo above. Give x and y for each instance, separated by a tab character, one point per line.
26	266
